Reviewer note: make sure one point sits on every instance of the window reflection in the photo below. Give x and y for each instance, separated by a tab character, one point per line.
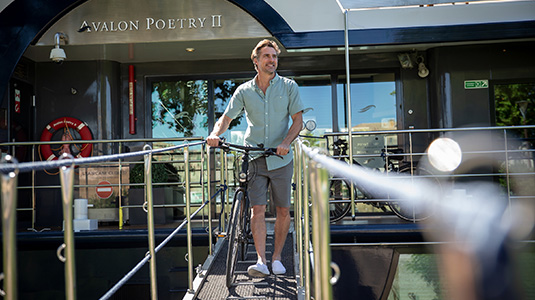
515	105
315	92
179	108
223	91
373	101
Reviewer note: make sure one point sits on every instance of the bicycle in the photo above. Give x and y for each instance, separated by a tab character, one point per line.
340	191
239	229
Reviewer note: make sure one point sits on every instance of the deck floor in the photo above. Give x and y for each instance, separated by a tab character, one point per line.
271	287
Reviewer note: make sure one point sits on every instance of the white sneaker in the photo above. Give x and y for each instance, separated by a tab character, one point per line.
258	270
277	267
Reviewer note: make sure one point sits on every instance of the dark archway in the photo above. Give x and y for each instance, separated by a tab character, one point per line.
21	22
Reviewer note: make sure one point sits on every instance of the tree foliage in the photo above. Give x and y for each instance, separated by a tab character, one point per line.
509	98
180	101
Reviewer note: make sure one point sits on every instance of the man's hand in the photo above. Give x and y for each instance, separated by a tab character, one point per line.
213	140
283	149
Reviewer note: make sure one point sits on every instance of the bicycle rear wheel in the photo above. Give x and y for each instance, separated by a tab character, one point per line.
338	190
408	211
234	233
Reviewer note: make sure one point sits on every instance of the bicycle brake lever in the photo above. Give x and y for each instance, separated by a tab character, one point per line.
272	151
223	145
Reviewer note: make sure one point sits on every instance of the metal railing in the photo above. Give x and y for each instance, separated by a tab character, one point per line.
35	184
312	192
489	155
508	155
10	170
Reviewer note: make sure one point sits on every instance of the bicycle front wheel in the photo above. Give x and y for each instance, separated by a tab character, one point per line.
245	227
234	232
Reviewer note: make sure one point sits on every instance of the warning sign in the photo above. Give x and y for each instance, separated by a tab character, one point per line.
17	101
104	189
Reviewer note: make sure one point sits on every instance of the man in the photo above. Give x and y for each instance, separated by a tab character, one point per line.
269	101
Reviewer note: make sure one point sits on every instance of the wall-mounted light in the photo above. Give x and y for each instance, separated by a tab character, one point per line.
408	60
423	72
57	54
190	49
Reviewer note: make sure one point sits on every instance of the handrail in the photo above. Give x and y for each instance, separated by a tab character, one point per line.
9	172
141	140
37	166
102	162
317	256
9	227
311	180
429	130
486	209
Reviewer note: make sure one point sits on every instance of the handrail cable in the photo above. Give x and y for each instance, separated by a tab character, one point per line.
133	271
43	165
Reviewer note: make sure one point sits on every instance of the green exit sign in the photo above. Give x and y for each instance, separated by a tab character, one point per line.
476	84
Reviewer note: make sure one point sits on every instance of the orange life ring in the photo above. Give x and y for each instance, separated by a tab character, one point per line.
66	122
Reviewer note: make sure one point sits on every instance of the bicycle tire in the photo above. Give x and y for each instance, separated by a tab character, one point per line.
409	212
234	229
339	190
245	228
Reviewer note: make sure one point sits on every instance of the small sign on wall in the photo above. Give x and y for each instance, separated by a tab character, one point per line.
17	101
476	84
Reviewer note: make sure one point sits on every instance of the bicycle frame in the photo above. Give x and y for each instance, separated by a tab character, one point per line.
239	230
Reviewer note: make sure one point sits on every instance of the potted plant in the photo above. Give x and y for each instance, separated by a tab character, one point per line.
161	194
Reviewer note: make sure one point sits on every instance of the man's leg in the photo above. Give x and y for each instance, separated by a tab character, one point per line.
258	228
282	225
257	194
282	180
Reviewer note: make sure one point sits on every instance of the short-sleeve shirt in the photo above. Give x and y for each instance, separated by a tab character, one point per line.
267	115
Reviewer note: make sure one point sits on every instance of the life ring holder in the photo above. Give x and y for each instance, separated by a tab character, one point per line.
66	122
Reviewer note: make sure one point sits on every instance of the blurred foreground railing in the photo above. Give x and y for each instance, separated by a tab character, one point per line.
499	154
473	216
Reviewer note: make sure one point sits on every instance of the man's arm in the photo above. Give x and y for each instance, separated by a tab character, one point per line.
293	132
219	128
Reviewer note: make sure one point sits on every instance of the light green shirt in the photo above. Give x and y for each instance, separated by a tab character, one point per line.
267	115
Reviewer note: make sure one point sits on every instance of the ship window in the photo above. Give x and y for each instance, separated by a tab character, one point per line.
316	93
179	108
223	91
373	102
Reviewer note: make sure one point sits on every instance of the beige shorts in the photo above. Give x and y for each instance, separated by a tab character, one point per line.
260	178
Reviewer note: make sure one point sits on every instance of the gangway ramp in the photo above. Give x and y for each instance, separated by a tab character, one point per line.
212	284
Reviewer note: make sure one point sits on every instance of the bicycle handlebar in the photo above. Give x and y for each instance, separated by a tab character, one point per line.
266	151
